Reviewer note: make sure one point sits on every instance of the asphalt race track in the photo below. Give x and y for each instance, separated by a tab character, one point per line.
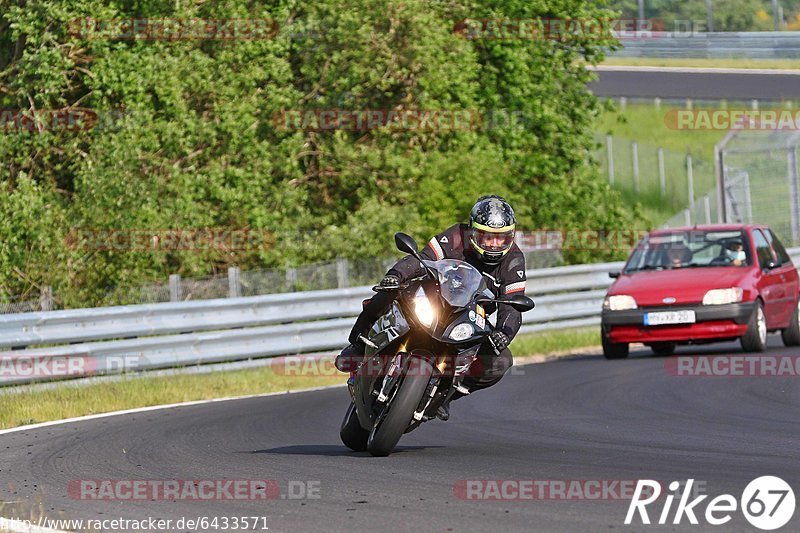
702	84
579	419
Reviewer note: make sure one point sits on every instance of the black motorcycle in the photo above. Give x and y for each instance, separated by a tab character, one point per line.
419	351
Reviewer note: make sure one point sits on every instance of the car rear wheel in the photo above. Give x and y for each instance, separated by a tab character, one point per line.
791	335
755	338
614	350
663	349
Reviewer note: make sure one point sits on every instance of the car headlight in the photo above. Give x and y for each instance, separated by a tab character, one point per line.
619	302
422	308
462	332
723	296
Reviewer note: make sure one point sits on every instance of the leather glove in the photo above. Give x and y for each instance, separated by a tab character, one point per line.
499	340
390	281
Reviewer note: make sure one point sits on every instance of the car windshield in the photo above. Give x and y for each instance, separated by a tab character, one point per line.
690	249
458	281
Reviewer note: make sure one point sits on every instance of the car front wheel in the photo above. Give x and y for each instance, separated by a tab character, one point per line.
755	338
663	349
614	350
791	335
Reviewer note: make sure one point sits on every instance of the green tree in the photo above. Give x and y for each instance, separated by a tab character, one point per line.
196	139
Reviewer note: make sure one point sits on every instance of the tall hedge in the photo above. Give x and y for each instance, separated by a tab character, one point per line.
191	133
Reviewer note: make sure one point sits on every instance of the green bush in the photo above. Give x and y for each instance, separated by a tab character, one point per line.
193	140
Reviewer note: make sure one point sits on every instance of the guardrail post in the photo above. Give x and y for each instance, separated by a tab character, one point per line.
687	216
794	194
719	171
635	148
709	15
690	179
234	282
610	148
662	175
175	289
342	277
291	278
46	298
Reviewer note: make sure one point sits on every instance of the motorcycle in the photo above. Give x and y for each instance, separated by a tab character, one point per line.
418	352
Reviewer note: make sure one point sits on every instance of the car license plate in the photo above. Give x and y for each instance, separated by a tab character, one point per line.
669	317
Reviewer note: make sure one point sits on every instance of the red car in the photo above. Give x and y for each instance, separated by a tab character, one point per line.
702	284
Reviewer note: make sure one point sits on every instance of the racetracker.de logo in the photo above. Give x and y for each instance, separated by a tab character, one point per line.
43	366
553	29
544	489
191	489
572	239
173	29
153	240
315	365
726	366
65	119
733	119
319	120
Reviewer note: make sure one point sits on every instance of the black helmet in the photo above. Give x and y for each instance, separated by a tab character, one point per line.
492	224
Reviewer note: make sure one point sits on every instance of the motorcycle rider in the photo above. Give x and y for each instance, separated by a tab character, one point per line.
486	243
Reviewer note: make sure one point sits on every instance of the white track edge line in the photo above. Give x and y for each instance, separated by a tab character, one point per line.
158	407
531	360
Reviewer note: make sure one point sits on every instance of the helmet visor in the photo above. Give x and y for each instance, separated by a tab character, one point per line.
494	242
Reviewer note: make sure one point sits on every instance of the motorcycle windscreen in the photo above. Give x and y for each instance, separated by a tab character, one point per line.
458	281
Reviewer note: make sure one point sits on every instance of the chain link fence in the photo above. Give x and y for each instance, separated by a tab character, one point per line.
759	180
650	172
317	276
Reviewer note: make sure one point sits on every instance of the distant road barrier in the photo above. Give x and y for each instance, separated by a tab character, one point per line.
748	45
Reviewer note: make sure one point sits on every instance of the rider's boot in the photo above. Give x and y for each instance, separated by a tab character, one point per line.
350	357
443	412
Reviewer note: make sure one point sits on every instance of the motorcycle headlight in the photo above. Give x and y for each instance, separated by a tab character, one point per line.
619	302
422	308
462	332
723	296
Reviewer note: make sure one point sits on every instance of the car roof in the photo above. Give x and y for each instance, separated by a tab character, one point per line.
708	227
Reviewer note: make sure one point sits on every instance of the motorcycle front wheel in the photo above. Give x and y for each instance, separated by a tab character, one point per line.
391	426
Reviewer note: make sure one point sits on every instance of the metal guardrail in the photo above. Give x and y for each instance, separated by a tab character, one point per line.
151	336
144	337
752	45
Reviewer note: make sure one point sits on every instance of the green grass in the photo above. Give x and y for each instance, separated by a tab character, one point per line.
704	63
41	405
553	342
645	124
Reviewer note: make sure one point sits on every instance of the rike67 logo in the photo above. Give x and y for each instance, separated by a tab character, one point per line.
767	503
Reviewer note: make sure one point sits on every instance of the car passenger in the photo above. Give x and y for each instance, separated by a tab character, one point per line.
734	253
678	255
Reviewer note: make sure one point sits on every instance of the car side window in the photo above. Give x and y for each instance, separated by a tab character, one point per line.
777	246
763	249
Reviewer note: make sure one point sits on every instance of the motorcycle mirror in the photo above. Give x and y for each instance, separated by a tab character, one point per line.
520	302
405	243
